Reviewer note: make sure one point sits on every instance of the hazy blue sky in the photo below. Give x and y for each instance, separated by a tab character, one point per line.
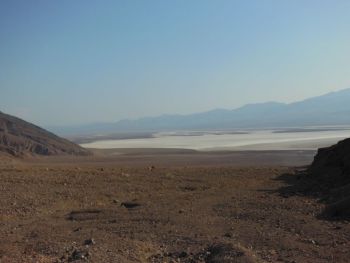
81	61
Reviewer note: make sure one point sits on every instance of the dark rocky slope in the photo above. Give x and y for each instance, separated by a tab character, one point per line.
20	138
329	174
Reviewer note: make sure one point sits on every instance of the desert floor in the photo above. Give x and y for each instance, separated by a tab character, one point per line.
164	206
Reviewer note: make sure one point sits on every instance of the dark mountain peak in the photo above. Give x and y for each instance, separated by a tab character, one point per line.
20	138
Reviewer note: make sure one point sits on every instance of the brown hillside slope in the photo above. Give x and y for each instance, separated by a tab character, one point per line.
20	138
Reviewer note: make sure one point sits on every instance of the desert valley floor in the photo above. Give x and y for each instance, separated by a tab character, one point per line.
159	206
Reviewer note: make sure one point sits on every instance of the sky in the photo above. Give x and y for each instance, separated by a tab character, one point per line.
75	62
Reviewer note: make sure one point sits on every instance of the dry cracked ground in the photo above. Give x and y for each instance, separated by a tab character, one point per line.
108	213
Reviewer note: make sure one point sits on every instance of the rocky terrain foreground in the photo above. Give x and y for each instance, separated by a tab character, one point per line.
140	210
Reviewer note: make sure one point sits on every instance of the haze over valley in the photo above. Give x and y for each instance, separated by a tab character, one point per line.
306	125
332	109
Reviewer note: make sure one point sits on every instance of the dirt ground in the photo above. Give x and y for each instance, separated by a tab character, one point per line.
164	207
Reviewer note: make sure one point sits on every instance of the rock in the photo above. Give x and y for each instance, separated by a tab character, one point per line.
339	209
77	229
218	253
89	242
340	192
229	235
130	205
227	253
82	215
330	173
331	165
183	254
78	255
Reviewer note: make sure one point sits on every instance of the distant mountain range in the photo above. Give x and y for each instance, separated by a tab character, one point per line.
330	109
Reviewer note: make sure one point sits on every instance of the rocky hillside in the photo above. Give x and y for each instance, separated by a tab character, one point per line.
20	138
330	174
332	164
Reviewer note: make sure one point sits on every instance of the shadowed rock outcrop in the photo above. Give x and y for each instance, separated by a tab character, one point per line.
330	173
21	138
331	165
327	179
